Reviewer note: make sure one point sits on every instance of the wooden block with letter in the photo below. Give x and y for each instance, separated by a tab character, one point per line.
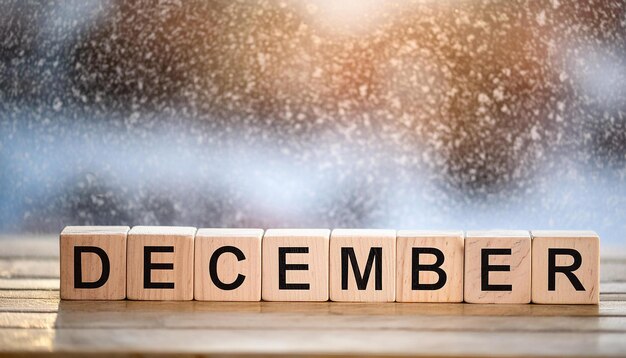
566	267
93	262
228	265
362	265
160	263
429	266
295	265
497	266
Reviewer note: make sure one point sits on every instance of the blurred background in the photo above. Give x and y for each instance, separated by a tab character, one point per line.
431	114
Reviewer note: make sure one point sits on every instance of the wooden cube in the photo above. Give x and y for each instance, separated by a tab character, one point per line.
160	263
362	265
295	265
497	266
93	262
228	265
565	267
429	266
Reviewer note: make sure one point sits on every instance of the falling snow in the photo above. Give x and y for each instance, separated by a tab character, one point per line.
420	114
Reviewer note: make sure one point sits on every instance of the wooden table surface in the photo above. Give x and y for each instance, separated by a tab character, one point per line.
34	320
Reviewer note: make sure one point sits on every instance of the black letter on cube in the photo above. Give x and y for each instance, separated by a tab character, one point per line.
566	270
283	267
78	269
148	266
213	268
436	267
347	254
486	268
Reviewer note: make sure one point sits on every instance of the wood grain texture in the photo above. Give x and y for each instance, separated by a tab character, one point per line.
39	305
269	315
518	274
106	308
228	266
289	342
363	242
30	268
451	246
584	243
613	287
29	284
179	243
111	241
29	294
303	283
33	321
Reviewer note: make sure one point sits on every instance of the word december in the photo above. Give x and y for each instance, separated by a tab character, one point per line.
347	265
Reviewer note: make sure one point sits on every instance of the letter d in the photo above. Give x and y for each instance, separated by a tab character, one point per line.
78	269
